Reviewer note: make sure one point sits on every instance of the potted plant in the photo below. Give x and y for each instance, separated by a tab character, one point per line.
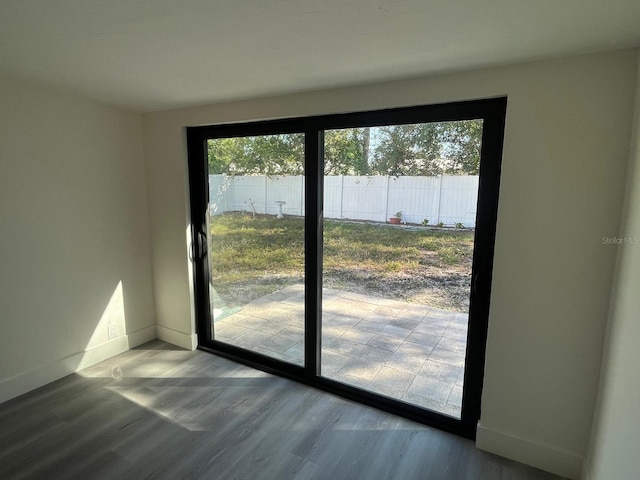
396	218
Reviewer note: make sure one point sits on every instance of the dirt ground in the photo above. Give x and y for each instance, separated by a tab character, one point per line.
447	289
431	269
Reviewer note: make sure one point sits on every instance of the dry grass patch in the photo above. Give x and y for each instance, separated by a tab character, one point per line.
256	256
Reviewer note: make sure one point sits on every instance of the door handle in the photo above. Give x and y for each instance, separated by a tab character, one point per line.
199	245
202	245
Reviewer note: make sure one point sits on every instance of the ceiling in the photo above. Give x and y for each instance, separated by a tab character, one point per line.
148	55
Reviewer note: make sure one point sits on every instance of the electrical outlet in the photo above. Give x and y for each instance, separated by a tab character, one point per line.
112	331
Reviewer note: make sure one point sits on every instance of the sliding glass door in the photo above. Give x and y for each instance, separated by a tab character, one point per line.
256	239
400	207
353	252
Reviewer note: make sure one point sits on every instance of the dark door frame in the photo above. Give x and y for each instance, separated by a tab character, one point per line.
491	111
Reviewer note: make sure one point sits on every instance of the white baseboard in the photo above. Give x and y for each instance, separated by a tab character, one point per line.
36	378
142	336
180	339
544	457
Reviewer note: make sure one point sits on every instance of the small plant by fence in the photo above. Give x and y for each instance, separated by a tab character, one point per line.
449	199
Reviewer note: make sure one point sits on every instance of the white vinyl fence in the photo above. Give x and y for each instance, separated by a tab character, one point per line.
446	199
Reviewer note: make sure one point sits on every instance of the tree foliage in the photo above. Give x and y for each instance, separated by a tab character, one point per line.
451	148
346	152
416	149
461	142
406	150
260	155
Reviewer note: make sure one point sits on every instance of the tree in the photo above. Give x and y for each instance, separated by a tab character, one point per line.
226	155
406	150
428	148
260	155
460	146
346	151
414	149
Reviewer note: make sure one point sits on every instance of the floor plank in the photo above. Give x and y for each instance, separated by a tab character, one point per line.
159	412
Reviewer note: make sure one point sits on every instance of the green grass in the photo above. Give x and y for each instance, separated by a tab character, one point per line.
262	254
243	246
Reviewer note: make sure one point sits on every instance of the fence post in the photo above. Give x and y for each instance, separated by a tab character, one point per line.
266	185
439	198
385	215
341	195
233	191
302	195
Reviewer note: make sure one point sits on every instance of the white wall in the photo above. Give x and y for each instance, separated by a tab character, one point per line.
74	237
565	157
615	443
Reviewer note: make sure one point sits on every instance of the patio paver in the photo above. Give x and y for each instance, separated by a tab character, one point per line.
411	352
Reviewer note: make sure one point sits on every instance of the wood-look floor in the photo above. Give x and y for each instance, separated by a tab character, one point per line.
164	413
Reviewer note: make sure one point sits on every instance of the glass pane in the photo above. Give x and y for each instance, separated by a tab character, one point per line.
256	215
399	217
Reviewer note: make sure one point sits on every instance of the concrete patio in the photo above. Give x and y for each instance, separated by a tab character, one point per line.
407	351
